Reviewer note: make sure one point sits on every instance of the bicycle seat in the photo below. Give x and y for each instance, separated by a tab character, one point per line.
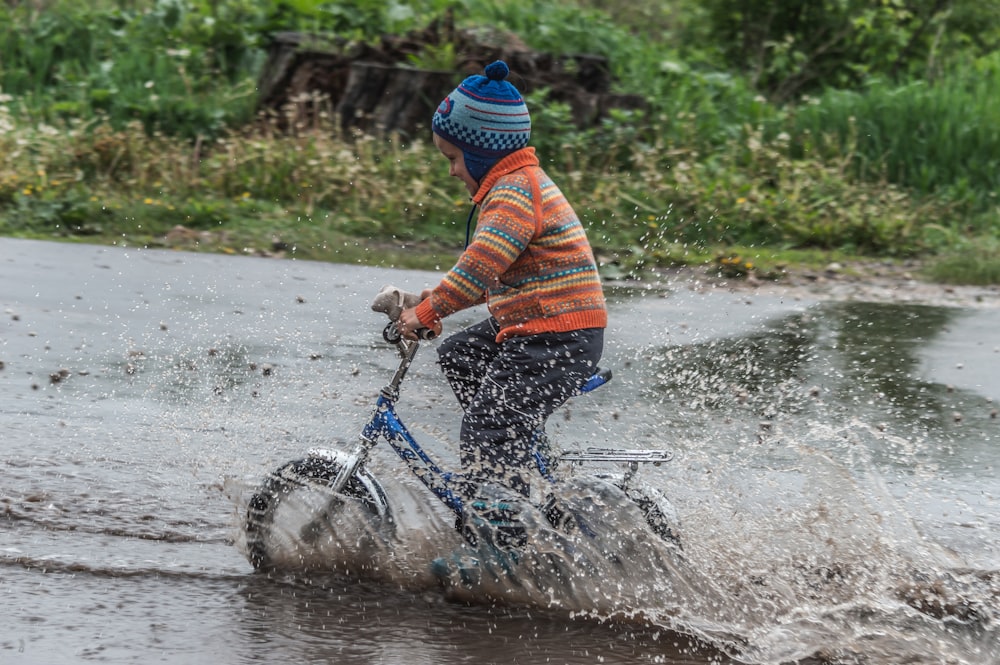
596	380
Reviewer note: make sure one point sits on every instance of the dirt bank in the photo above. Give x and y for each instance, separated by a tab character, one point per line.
859	281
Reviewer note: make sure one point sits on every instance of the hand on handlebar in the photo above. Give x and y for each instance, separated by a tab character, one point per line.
410	327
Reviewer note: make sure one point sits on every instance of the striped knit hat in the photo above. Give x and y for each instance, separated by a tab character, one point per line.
485	117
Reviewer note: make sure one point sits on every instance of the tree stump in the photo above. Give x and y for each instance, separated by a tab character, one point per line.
381	98
376	88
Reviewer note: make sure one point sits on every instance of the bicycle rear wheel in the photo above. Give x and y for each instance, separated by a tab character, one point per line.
661	516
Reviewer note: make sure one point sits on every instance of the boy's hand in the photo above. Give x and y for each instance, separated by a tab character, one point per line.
408	324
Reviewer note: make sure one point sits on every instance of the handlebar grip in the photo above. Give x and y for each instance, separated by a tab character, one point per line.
391	333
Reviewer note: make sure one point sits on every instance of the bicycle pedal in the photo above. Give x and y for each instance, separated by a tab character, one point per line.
557	516
618	455
495	520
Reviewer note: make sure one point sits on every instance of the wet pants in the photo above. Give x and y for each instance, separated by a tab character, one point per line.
508	390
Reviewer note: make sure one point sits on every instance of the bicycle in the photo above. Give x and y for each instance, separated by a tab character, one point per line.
344	473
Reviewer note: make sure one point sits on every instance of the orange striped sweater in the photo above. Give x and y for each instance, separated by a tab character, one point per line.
529	259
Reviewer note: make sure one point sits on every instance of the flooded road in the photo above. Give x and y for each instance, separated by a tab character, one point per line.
835	471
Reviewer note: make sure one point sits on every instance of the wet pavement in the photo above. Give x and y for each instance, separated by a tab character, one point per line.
835	468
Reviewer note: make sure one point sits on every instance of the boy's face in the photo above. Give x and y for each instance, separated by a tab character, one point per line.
456	161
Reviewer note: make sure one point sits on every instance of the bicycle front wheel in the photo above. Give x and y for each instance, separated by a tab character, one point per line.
294	507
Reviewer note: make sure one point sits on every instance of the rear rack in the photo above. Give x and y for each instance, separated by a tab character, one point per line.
655	457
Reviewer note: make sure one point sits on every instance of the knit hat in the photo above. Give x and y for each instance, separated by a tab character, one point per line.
485	117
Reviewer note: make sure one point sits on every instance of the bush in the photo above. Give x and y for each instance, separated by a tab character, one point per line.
789	48
187	69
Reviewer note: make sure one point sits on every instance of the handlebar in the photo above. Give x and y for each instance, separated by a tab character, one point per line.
392	335
425	334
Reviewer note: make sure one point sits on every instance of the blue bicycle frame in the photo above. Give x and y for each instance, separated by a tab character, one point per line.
386	423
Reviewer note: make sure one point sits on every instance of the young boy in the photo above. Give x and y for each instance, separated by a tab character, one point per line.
531	262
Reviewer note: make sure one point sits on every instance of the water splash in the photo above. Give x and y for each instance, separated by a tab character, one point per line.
783	558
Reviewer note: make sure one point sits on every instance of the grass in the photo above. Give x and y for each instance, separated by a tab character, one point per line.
973	264
319	195
938	137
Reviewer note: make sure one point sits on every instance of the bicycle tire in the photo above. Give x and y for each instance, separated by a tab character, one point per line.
660	515
313	471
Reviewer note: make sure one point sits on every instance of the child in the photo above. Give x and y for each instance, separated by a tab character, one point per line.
531	263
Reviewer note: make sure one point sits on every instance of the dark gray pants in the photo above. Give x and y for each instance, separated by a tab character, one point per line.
508	390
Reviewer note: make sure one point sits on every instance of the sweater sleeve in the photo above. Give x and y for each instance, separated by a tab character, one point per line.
426	314
505	227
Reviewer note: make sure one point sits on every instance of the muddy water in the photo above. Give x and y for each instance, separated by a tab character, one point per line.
835	472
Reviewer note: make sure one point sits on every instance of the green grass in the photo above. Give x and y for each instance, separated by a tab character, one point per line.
932	138
977	264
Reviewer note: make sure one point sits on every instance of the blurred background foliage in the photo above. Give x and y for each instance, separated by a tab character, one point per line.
772	127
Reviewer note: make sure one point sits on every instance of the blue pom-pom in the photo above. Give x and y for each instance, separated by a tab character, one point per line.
497	71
